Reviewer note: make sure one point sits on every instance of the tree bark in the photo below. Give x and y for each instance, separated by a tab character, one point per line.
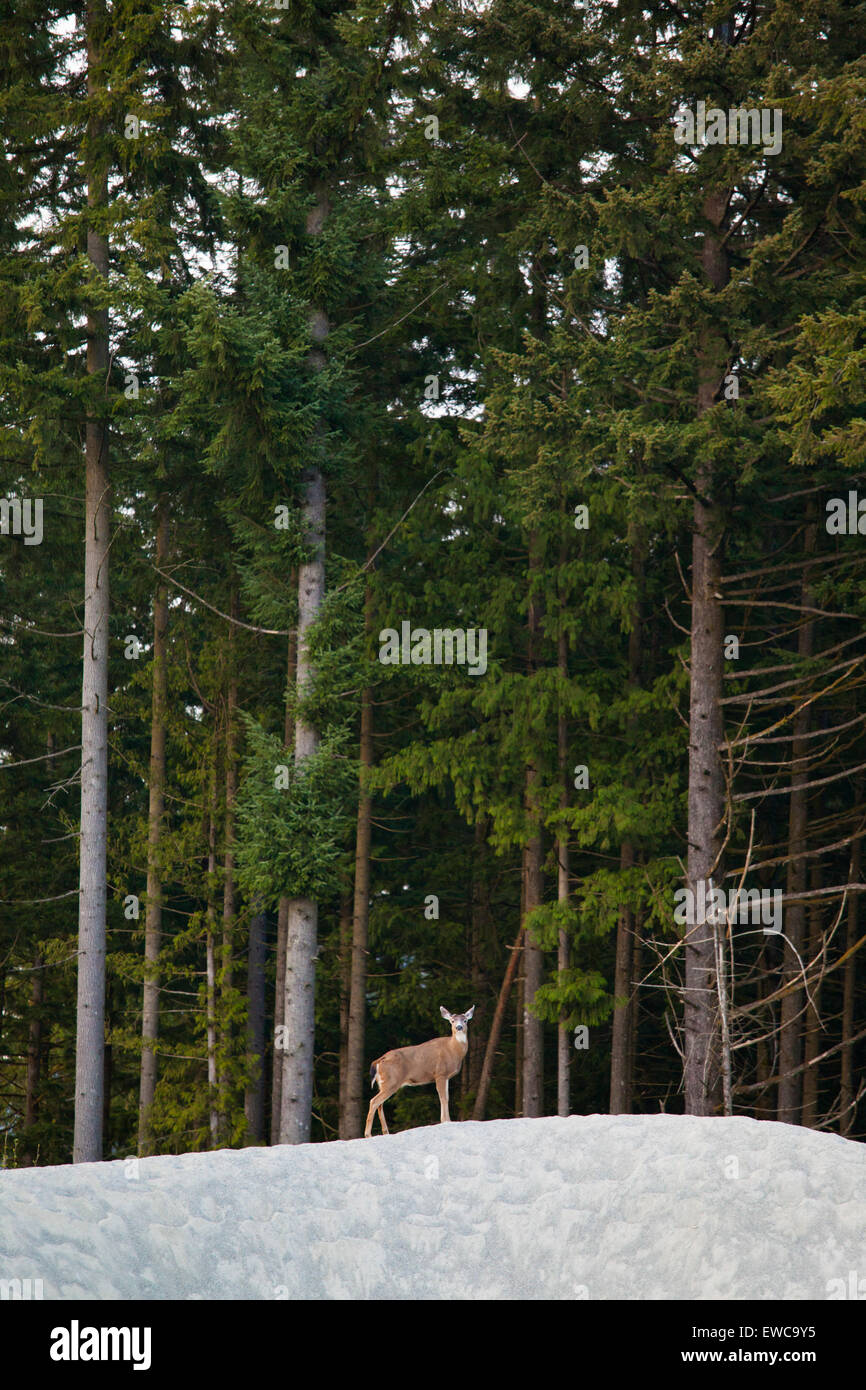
634	1012
90	1027
155	812
791	1025
812	1043
34	1057
480	918
356	1089
210	958
297	1079
532	1071
763	1067
496	1030
231	785
563	1036
254	1095
622	1042
519	1034
283	912
279	1019
847	1091
225	974
620	1052
301	940
706	798
346	904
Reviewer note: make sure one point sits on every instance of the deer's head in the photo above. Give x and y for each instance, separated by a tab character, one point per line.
459	1022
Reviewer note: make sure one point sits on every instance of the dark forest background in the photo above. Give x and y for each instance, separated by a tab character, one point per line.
424	303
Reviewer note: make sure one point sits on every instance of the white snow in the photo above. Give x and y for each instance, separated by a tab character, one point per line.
596	1206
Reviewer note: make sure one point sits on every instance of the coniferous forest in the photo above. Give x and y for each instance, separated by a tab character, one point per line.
433	563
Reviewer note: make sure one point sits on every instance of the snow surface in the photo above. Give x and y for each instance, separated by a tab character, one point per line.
597	1206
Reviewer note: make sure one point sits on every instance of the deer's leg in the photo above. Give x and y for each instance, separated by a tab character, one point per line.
442	1088
377	1103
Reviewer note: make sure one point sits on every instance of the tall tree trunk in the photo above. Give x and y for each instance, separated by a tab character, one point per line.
346	905
518	1012
706	805
297	1103
791	1026
812	1046
357	1076
34	1056
279	1019
480	918
90	1026
210	956
301	940
496	1029
212	1080
622	1050
231	781
563	1036
763	1066
229	906
847	1092
155	811
533	1035
532	1100
634	1012
254	1096
283	912
519	1034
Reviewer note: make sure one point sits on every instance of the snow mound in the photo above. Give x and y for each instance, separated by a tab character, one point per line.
597	1206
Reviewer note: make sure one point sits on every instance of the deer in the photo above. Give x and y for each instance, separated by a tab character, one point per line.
437	1060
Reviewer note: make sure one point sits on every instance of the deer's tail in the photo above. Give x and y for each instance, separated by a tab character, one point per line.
373	1073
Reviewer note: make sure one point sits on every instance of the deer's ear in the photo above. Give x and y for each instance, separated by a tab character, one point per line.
444	1013
470	1012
